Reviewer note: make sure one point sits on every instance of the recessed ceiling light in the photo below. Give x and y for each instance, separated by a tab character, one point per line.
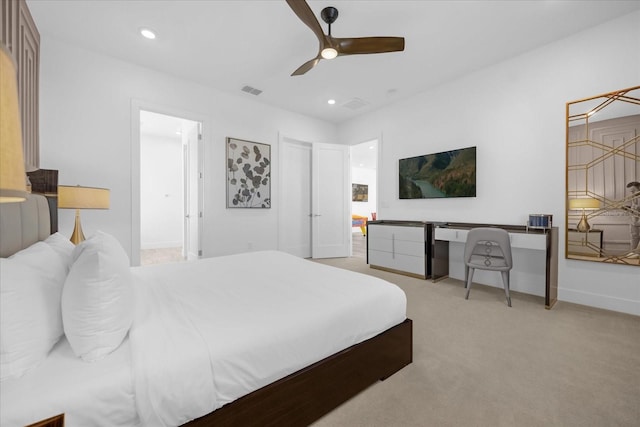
331	101
147	33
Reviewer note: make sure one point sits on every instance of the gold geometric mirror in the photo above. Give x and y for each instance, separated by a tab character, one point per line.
603	178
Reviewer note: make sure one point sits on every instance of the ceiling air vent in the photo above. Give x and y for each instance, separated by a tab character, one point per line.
355	104
251	90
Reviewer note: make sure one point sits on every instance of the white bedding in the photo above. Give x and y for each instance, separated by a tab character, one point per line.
204	334
88	393
211	331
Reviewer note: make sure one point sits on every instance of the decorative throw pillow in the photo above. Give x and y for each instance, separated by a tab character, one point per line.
62	246
30	319
97	299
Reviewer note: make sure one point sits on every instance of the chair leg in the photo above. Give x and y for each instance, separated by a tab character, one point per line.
468	285
505	279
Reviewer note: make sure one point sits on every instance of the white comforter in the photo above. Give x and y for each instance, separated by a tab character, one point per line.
211	331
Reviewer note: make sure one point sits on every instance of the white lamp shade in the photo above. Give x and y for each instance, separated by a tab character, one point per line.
12	175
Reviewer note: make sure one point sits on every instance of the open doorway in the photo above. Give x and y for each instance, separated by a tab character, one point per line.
364	178
169	188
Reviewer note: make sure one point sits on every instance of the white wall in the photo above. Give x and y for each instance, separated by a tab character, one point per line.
514	112
161	195
85	126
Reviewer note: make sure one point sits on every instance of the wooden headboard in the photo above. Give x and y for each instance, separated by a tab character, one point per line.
22	224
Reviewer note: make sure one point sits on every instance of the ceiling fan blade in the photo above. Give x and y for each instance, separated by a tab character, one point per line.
364	45
304	12
306	66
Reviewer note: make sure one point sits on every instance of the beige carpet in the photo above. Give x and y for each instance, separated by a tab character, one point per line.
477	362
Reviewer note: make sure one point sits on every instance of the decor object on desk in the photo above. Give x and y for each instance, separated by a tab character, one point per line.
603	156
446	174
70	197
12	171
541	221
248	174
359	193
584	204
488	248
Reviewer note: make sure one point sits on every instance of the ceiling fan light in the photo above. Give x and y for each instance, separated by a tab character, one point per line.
329	53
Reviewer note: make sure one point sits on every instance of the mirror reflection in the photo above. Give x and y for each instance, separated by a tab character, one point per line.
603	178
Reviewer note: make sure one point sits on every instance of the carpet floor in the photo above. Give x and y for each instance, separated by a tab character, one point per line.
478	362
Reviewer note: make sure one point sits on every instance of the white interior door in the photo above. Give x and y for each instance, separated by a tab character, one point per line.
294	219
192	180
331	201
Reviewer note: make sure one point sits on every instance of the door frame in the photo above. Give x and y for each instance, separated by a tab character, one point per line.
378	141
137	106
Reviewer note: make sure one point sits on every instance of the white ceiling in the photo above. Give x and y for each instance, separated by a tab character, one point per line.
230	44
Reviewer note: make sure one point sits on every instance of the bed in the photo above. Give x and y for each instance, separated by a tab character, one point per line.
258	339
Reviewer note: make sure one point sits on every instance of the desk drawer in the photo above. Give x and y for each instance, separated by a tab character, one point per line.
518	240
451	234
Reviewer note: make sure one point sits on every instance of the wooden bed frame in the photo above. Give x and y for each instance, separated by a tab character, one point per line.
304	396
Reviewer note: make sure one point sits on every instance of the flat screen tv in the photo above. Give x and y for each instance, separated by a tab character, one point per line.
446	174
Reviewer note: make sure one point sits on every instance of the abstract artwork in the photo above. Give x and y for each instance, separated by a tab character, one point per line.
248	174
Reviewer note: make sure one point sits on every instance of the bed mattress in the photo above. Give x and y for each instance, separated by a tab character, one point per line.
240	322
204	334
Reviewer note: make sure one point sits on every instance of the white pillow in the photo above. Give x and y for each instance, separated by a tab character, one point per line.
97	299
30	319
62	246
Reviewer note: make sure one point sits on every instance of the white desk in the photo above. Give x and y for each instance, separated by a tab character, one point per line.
535	259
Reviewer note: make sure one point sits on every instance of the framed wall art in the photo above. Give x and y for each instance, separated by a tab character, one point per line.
248	174
359	193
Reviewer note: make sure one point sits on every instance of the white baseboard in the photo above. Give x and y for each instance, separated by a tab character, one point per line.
600	301
160	245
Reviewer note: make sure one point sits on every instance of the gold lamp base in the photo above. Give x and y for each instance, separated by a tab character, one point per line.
78	235
583	225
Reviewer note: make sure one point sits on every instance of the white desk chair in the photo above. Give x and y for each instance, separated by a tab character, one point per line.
488	249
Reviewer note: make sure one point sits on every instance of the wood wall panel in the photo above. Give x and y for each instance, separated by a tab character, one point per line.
19	33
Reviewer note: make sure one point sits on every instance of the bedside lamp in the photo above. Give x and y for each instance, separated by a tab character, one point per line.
587	203
12	174
77	198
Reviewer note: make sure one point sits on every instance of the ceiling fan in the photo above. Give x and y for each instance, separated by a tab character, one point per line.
330	47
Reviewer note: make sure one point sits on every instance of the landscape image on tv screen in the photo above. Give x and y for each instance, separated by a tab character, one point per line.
447	174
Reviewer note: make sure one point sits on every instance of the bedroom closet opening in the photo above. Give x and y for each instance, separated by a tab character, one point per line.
169	188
